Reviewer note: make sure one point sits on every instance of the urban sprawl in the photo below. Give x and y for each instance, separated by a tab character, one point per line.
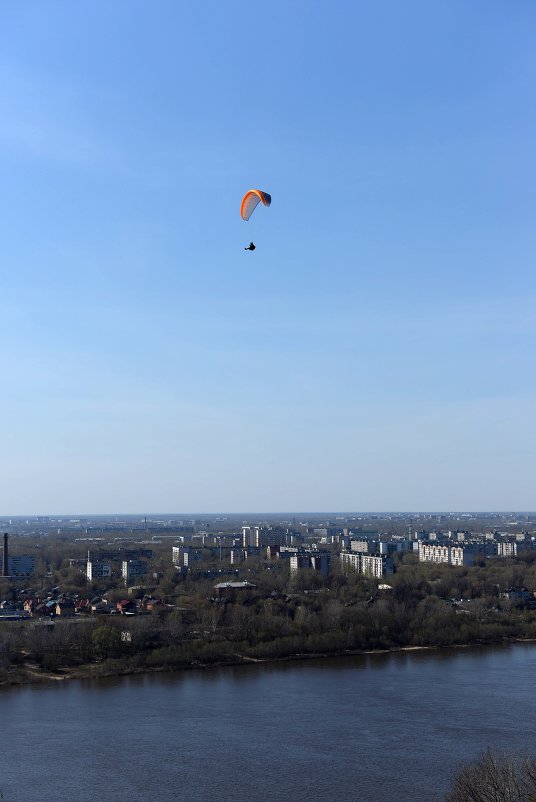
132	553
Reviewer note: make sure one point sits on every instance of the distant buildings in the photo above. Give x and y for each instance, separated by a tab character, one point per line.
376	565
232	590
19	565
65	609
361	546
319	561
507	548
133	568
236	556
450	553
259	536
98	569
184	556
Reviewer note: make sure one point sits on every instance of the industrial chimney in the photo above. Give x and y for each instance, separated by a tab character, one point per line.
5	567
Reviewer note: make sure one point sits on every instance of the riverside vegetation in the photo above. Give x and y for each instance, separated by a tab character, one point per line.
282	617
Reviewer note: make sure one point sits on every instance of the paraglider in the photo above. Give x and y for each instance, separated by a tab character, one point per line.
250	201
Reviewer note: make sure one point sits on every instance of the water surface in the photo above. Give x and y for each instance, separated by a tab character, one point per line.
373	728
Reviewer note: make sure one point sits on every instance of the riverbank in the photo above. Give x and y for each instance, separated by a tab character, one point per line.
33	675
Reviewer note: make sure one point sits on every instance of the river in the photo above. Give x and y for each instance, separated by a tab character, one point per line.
374	728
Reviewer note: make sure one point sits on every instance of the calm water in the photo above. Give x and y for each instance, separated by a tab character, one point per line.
379	728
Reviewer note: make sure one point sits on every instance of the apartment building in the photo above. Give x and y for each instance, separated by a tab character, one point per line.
377	565
98	569
319	561
450	554
133	568
507	548
259	536
434	552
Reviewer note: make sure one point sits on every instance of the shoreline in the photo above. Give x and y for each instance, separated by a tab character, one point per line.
33	676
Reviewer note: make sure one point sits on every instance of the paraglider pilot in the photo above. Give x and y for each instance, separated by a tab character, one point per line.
250	247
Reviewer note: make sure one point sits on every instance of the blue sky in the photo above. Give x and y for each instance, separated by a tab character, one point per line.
375	352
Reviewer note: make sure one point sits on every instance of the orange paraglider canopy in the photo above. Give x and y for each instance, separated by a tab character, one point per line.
250	201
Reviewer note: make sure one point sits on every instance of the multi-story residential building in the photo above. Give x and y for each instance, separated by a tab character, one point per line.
403	545
361	546
132	568
98	569
345	542
371	564
376	564
364	534
236	556
186	556
387	547
507	548
319	561
138	554
437	536
450	554
252	552
461	555
177	556
434	552
350	560
259	536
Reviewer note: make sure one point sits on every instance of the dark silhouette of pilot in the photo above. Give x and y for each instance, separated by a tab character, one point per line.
250	247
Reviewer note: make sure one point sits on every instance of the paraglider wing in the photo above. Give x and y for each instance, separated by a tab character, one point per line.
250	201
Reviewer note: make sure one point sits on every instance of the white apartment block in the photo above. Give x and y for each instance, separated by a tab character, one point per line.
506	548
459	556
351	560
377	565
248	536
433	553
361	546
449	554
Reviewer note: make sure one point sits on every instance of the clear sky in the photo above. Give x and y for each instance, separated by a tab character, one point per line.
377	350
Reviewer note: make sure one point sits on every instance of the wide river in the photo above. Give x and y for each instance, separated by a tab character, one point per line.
374	728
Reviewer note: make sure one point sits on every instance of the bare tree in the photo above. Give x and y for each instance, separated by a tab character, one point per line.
495	777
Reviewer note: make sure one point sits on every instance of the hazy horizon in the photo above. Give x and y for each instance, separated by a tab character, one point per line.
273	514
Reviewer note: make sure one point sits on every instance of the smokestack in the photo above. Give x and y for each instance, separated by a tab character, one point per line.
5	571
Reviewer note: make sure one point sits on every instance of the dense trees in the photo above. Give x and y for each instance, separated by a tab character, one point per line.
426	605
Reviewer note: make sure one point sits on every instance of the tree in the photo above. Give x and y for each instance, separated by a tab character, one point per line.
495	777
106	641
